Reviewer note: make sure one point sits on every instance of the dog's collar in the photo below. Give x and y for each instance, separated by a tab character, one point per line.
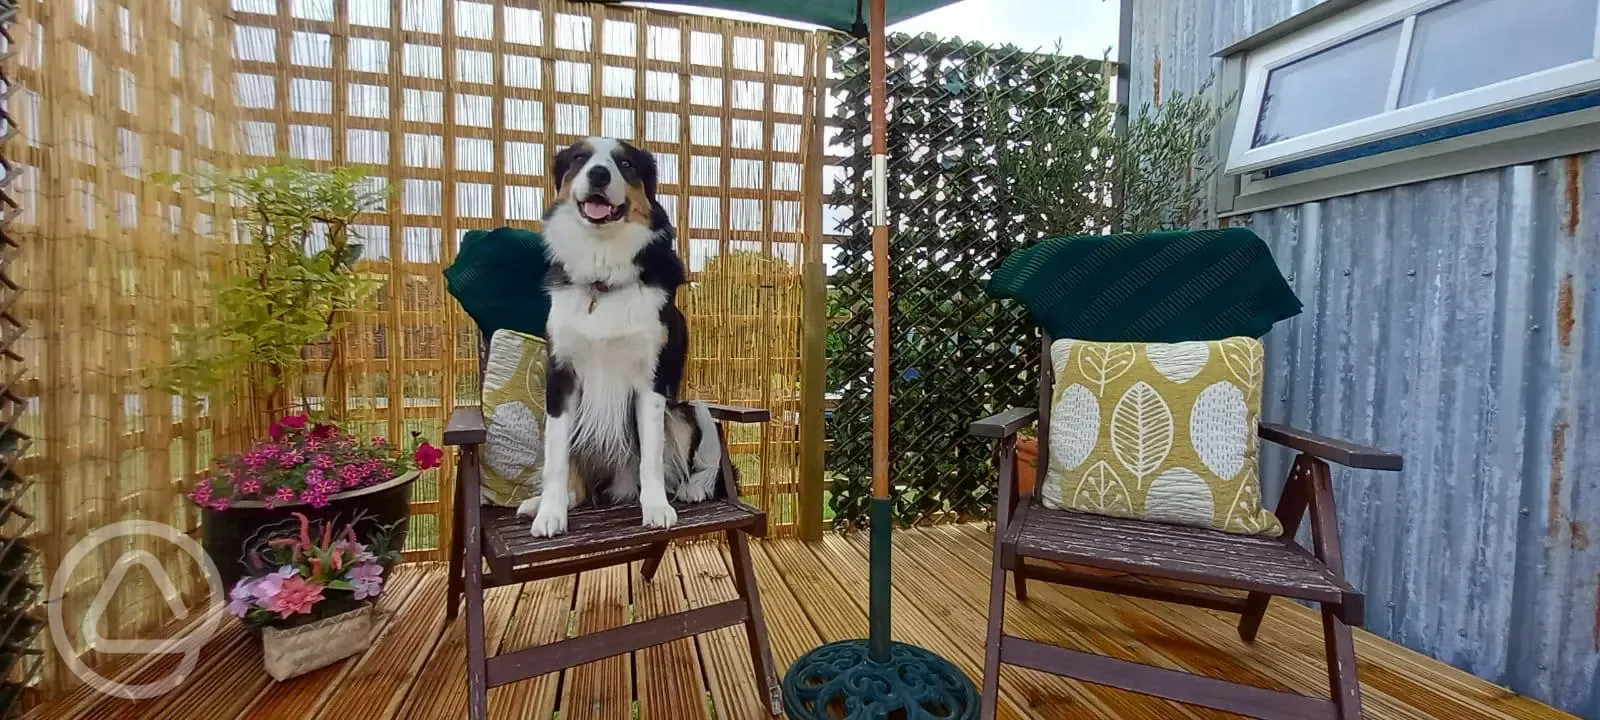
596	289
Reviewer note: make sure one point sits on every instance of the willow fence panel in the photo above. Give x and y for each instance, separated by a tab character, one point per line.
955	353
458	107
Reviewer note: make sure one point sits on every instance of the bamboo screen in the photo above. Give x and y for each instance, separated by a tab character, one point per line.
110	93
457	107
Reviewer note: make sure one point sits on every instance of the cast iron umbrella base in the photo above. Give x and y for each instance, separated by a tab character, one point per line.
840	681
875	678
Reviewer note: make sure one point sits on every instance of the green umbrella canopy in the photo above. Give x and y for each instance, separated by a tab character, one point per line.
836	14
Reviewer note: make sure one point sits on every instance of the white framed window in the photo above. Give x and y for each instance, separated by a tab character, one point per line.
1389	69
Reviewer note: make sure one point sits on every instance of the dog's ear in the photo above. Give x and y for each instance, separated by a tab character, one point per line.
562	167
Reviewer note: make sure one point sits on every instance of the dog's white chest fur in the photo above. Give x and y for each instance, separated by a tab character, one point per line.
612	334
611	337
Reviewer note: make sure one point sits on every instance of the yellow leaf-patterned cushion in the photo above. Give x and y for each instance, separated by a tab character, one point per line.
1158	431
513	414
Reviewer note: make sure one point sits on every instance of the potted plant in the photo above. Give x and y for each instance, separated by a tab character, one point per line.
1027	458
310	593
287	277
305	469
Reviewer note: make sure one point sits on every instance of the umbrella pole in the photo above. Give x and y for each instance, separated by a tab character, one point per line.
878	678
882	514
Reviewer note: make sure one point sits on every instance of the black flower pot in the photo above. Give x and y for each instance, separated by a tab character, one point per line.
233	537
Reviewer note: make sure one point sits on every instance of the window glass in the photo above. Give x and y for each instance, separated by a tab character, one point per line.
1344	83
1472	43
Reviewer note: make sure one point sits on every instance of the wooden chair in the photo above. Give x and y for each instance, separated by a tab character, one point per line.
1164	562
491	547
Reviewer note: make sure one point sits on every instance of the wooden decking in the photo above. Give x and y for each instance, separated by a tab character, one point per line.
813	593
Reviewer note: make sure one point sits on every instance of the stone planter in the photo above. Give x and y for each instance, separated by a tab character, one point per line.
294	651
232	536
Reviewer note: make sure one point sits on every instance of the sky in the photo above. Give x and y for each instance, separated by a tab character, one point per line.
1083	27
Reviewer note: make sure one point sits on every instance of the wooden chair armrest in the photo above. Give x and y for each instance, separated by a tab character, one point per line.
1004	424
736	414
1344	453
465	427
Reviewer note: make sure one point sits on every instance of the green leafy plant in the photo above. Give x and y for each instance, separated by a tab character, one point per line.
291	275
1064	170
1163	167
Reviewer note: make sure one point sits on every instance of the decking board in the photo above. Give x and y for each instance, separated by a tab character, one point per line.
813	593
602	690
381	682
724	653
441	690
541	617
669	676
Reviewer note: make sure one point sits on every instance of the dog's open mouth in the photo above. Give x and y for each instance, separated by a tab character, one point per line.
599	210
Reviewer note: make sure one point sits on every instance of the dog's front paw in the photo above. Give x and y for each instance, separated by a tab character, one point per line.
529	509
658	514
692	492
551	520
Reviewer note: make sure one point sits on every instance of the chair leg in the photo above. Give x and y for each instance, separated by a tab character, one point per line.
457	554
744	578
1341	651
472	577
997	624
1019	578
1255	610
1291	510
653	563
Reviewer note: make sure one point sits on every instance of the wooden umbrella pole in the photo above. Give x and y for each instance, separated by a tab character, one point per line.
880	260
882	517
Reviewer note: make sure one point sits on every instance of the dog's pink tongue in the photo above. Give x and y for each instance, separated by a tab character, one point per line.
596	209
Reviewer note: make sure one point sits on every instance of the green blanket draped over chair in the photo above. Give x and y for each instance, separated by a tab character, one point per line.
498	277
1153	287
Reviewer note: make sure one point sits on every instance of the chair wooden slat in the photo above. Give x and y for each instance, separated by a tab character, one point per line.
1177	552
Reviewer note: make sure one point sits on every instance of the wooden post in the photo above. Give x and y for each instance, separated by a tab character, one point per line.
882	515
814	305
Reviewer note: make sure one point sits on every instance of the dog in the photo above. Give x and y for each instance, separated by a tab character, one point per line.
618	347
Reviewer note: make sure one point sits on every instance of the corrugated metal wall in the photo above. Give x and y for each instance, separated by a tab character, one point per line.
1456	321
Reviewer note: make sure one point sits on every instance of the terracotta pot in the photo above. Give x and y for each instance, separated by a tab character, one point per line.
1027	464
230	536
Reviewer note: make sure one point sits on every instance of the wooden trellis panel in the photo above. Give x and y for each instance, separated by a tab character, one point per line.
460	108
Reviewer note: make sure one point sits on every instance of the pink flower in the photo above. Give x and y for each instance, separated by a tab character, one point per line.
428	456
294	422
284	494
220	503
295	596
201	494
324	461
315	498
323	432
379	441
250	486
276	431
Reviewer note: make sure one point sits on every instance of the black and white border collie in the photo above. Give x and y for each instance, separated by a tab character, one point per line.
614	427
